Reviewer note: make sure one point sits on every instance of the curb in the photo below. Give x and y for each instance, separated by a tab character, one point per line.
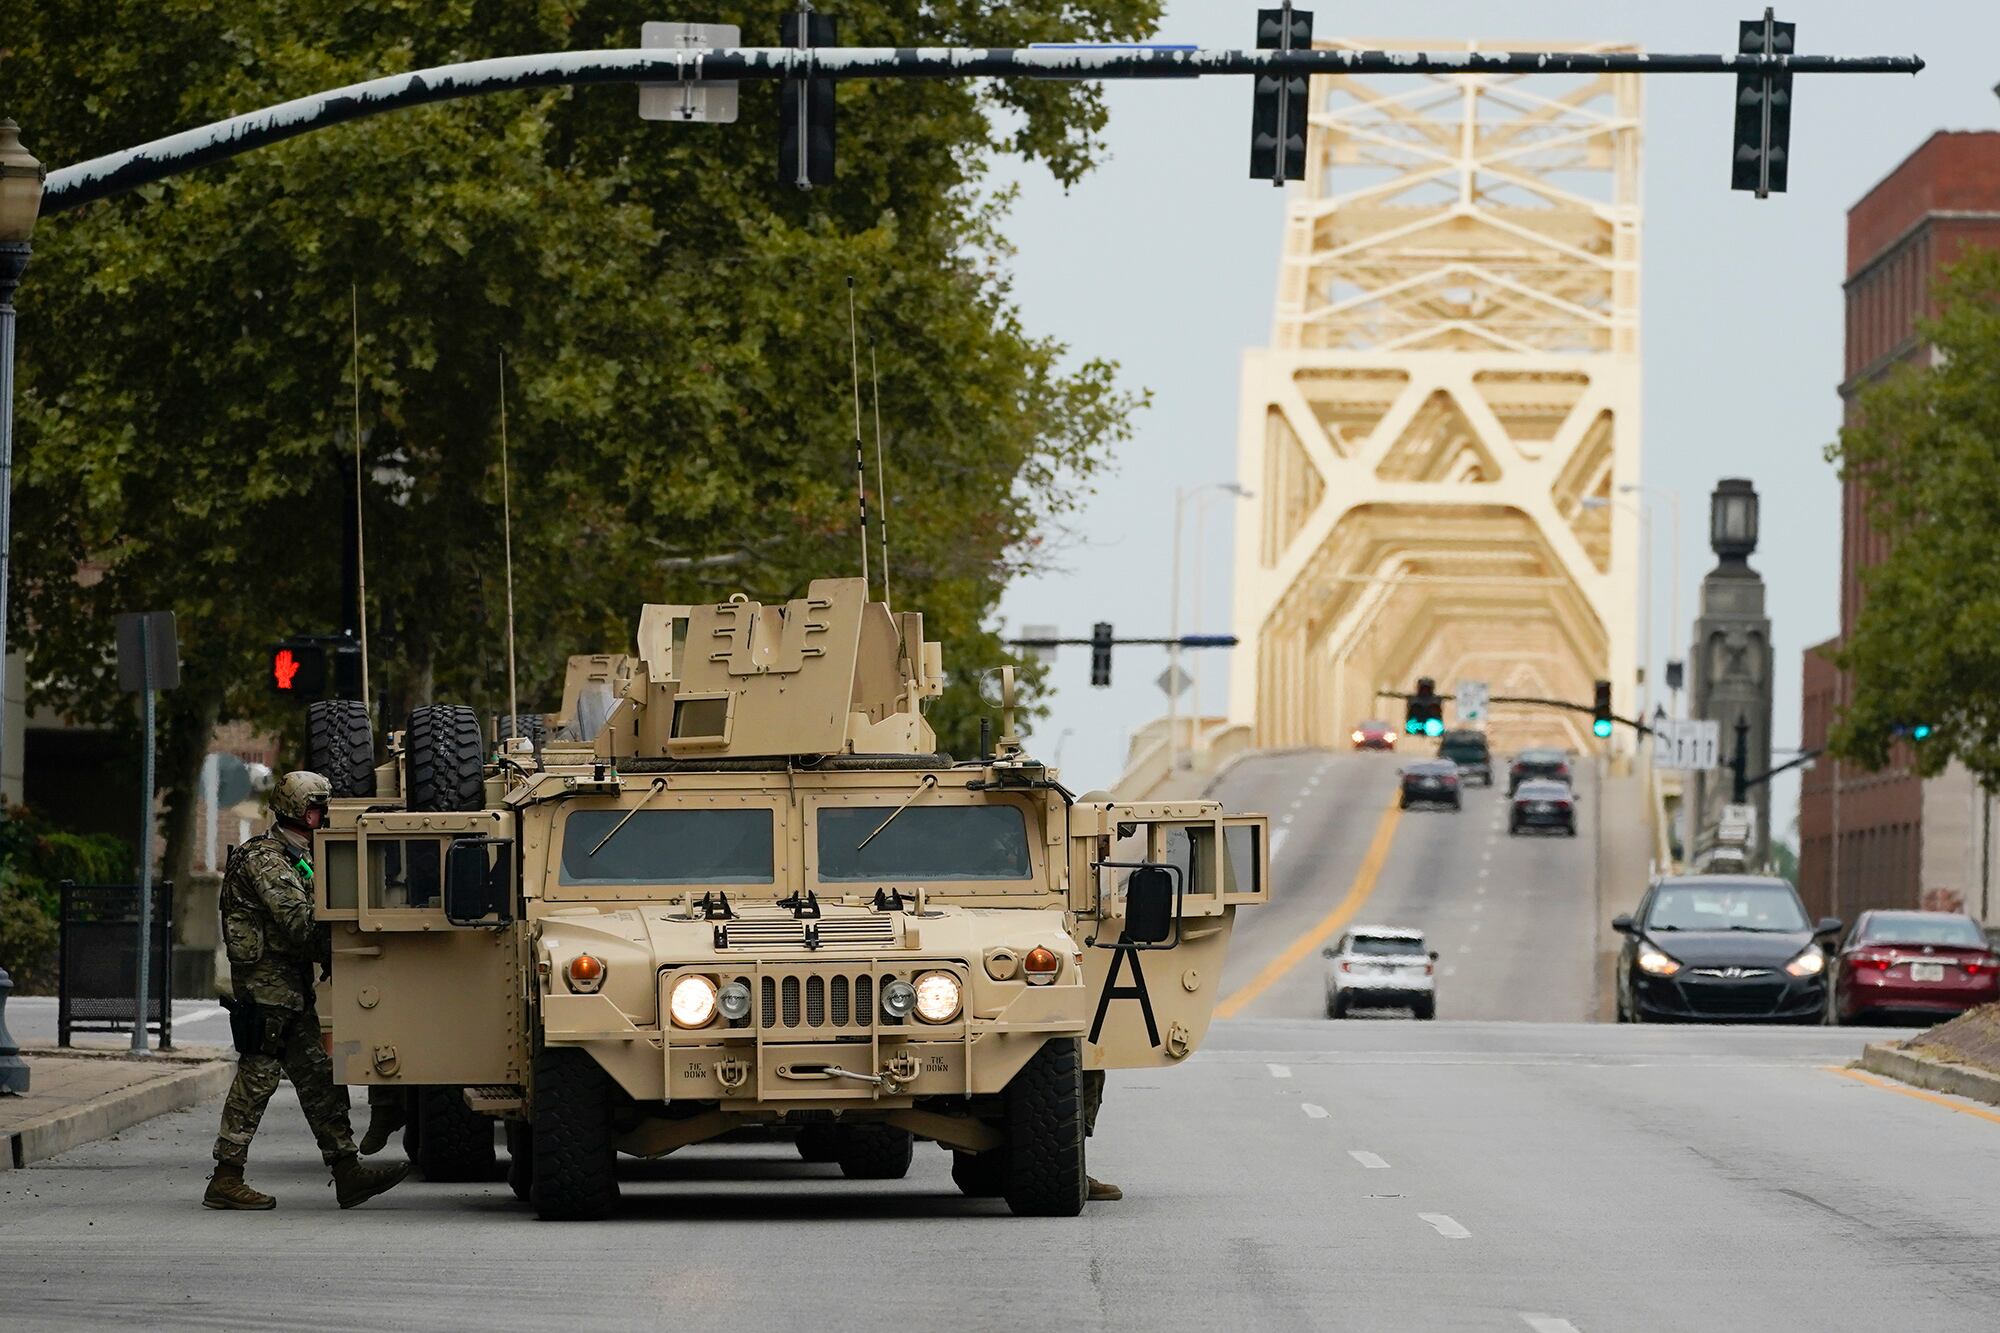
1891	1060
101	1117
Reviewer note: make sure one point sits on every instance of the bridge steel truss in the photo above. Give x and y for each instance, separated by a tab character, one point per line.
1450	400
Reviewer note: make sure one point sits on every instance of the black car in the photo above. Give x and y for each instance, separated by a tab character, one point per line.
1430	782
1537	763
1722	948
1468	750
1542	804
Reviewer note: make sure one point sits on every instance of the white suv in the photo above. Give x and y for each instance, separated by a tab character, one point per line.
1381	967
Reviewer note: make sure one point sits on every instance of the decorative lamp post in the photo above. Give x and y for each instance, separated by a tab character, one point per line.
1732	520
20	203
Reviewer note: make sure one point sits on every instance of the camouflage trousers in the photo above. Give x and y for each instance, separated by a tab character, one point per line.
290	1048
1093	1098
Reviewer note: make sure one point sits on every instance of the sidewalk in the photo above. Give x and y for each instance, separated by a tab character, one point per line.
83	1094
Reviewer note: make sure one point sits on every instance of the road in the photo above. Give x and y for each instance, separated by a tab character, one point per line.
1512	918
1296	1173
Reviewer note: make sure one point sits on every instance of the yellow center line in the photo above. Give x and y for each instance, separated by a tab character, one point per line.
1922	1096
1302	947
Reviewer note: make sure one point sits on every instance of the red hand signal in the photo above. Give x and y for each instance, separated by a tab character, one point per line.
284	667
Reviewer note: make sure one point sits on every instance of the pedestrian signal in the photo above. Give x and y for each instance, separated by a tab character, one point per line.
297	667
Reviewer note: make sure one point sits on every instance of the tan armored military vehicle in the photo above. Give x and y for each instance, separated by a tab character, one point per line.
735	888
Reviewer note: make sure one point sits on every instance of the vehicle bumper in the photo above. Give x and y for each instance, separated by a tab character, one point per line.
1773	998
1430	795
1382	744
1544	819
1863	994
1384	995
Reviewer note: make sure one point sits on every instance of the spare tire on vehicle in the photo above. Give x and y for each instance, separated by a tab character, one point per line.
531	725
447	759
340	745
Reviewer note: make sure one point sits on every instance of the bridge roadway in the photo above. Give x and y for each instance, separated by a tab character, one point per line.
1296	1173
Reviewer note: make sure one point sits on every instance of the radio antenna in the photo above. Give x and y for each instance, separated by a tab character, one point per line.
860	471
360	546
507	548
881	482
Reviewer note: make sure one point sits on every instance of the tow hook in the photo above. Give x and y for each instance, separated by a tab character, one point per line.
732	1074
899	1073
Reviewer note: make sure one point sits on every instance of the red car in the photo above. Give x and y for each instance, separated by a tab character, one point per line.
1374	735
1920	965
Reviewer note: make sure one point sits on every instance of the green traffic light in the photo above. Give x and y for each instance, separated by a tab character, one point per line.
1920	732
1602	726
1434	727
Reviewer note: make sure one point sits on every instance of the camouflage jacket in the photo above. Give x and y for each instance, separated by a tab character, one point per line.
267	921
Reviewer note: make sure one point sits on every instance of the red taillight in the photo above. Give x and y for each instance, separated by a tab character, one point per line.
1871	961
1430	968
1344	966
1974	966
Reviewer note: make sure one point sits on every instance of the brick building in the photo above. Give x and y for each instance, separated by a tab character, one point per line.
1892	839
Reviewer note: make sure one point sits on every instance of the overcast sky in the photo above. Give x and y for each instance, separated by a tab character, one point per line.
1165	260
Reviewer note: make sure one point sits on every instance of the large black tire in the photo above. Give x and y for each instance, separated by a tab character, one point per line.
980	1175
340	745
819	1143
532	725
454	1142
1045	1132
520	1158
575	1173
875	1152
447	759
1424	1010
1337	1007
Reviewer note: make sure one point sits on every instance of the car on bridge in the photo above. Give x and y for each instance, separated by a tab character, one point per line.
1430	782
1468	749
1540	762
1917	966
1374	734
1542	804
1381	967
1722	948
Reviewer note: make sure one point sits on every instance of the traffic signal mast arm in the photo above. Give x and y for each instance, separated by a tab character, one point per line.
1564	704
113	173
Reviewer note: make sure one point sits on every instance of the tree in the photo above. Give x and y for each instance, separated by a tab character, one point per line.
1925	445
674	322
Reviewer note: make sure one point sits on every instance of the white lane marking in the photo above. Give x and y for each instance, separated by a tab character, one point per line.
1316	1112
1477	907
200	1016
1445	1227
1278	840
1475	925
1296	804
1484	872
1449	970
1465	948
1280	1071
1368	1159
1481	888
1547	1323
1486	856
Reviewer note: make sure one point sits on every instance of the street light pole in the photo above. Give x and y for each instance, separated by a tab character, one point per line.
1674	629
20	204
1201	575
1182	494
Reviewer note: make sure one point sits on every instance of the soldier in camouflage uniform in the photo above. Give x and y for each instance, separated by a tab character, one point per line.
272	940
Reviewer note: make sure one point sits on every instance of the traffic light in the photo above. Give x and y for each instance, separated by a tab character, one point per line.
297	667
1600	709
1763	109
805	111
1921	732
1423	715
1100	653
1278	105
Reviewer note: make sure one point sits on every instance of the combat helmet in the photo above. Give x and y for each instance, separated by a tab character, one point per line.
297	792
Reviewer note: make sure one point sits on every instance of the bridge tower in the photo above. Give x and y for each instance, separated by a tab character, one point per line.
1437	433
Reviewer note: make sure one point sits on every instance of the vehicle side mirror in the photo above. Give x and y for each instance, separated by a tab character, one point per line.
476	874
1622	923
1828	925
1434	955
1149	904
1329	952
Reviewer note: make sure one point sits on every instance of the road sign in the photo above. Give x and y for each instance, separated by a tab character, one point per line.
1174	682
1472	698
711	101
1045	652
147	643
1691	745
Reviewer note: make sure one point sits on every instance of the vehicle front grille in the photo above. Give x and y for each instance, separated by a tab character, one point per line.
825	1001
1739	998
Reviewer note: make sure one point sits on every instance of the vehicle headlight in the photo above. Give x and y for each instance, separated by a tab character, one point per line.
586	974
1656	963
734	1001
937	997
692	1002
1808	964
898	998
1358	738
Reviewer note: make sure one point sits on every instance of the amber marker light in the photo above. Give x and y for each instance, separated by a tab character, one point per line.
586	974
1041	965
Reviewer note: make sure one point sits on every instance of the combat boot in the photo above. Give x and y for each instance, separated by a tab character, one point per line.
384	1119
356	1182
1103	1191
227	1190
